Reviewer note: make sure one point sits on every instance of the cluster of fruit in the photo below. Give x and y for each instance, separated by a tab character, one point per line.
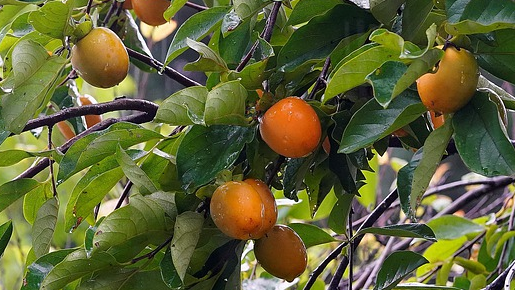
247	210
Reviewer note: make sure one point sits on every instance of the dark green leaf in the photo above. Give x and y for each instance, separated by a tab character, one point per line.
384	80
396	267
34	74
414	178
149	225
134	173
196	27
476	16
99	145
185	107
124	279
414	18
38	270
76	265
209	60
340	213
449	227
385	10
246	8
403	230
311	235
225	104
372	122
13	190
205	151
53	19
44	227
168	272
307	9
496	57
6	230
188	227
341	21
293	177
240	35
486	149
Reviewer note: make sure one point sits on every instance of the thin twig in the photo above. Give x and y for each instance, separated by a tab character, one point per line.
52	175
266	35
195	6
497	284
168	71
276	167
321	80
505	246
371	219
124	194
351	250
88	6
151	254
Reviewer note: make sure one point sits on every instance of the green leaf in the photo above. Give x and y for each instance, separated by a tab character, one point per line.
246	8
476	16
128	230
44	227
340	213
241	33
339	22
205	151
293	176
196	27
414	178
486	149
13	190
225	104
53	19
34	199
174	8
92	188
76	265
134	173
188	227
420	231
37	271
252	75
90	235
6	230
311	235
372	122
209	60
168	271
353	70
99	145
13	156
385	10
29	85
415	17
496	56
124	279
306	9
396	267
384	80
185	107
449	227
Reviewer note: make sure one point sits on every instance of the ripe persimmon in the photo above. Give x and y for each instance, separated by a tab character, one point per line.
436	120
282	253
291	127
127	4
100	58
151	11
452	84
91	120
243	209
65	129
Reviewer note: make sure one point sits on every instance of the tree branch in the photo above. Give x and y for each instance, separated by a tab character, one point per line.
321	79
95	109
167	71
45	162
195	6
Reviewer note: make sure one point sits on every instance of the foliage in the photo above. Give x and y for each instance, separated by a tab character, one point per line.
124	204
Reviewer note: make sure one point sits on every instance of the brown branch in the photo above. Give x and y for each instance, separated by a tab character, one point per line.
45	162
167	71
195	6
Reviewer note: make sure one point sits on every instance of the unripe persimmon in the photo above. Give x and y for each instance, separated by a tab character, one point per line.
453	83
151	11
91	120
282	253
291	128
100	58
243	209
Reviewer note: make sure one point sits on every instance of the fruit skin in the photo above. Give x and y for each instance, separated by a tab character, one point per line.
282	253
91	120
291	128
452	86
436	120
100	58
151	11
66	130
243	209
326	145
127	4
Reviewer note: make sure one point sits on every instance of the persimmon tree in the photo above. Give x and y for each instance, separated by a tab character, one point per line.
124	203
